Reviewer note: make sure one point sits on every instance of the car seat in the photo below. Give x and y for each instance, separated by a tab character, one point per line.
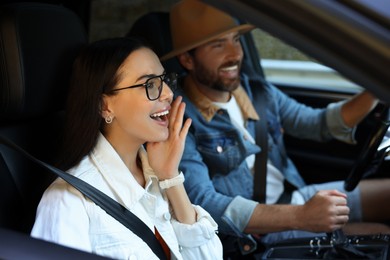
154	28
38	43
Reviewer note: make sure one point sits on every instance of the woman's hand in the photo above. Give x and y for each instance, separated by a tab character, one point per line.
165	156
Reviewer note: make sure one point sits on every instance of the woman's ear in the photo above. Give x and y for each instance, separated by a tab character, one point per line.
105	109
186	61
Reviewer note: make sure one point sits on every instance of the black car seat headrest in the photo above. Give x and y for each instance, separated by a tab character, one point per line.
38	43
154	28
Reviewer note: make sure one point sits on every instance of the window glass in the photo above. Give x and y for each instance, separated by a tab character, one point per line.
287	66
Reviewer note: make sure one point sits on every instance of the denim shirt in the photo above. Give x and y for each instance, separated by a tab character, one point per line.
217	175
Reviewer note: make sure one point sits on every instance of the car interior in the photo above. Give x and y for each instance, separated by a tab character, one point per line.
36	57
32	99
338	154
145	27
336	158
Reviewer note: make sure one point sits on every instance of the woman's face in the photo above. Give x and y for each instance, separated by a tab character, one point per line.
136	118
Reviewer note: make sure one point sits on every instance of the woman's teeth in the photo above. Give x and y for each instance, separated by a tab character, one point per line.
159	115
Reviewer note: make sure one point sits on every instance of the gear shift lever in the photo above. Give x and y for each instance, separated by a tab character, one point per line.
341	248
338	238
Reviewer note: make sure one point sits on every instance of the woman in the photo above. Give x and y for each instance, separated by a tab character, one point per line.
118	104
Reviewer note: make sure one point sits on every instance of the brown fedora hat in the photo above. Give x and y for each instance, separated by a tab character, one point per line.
194	23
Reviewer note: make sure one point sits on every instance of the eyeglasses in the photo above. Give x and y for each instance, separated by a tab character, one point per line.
153	86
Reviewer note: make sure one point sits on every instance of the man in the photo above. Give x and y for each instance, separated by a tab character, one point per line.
220	148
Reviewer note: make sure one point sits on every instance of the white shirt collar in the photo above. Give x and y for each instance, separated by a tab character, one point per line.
118	177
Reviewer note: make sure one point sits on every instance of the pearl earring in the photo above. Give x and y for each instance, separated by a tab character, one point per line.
109	119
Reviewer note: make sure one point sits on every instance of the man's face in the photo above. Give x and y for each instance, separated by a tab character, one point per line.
216	64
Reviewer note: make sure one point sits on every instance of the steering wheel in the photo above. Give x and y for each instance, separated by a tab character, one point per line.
370	149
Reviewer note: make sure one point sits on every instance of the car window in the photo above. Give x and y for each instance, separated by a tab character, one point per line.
287	66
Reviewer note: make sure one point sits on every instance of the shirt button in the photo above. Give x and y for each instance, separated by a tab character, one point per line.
167	216
219	149
247	248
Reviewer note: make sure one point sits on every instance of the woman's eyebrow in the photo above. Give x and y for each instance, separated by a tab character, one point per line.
147	76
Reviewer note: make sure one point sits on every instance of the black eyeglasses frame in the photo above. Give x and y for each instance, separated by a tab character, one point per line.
169	78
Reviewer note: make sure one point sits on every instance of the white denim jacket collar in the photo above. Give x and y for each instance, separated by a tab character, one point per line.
104	154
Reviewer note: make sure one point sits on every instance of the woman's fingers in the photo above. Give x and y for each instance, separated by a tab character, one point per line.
186	127
174	107
176	116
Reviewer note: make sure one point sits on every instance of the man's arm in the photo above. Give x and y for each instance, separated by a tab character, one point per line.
354	110
338	120
325	212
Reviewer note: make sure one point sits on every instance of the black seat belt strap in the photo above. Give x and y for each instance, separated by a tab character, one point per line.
112	207
260	175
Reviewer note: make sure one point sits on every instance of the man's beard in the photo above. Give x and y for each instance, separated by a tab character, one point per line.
213	81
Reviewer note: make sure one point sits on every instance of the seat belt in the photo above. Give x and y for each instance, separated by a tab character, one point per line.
260	174
112	207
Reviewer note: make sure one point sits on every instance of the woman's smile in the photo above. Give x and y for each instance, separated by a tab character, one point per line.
161	117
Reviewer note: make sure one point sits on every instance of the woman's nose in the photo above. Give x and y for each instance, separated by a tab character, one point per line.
167	93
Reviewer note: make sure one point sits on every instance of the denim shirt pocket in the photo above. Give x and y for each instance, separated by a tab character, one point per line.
222	152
